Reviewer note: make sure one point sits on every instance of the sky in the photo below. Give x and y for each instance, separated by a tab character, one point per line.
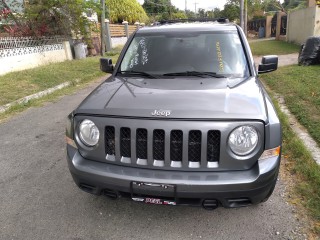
206	4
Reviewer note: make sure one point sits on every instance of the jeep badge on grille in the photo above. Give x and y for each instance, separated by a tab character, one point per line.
161	113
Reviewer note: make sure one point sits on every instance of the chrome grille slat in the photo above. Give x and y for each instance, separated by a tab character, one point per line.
133	147
203	161
150	148
117	144
185	143
167	160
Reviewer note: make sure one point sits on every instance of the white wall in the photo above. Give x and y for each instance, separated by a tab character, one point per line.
302	24
118	41
317	22
24	58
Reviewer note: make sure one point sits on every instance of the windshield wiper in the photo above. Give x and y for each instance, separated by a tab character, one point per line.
197	74
137	73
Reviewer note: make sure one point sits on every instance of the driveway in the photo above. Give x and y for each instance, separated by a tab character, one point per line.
284	60
38	199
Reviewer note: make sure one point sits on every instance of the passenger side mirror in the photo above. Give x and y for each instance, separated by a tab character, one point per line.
268	64
106	65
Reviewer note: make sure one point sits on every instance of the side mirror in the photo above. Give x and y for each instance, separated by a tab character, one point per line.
268	64
106	65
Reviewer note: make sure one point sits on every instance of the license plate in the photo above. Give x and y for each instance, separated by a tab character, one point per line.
143	192
156	201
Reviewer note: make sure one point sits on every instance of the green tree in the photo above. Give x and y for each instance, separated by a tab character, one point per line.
217	13
162	10
179	15
125	10
202	13
294	4
156	7
231	10
50	17
190	14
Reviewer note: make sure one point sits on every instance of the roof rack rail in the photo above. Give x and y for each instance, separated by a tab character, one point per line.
219	20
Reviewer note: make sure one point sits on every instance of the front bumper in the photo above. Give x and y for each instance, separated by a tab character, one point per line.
231	189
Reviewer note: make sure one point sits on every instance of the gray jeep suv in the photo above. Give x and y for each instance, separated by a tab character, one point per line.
183	119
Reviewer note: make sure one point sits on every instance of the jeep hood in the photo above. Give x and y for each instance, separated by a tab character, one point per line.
193	98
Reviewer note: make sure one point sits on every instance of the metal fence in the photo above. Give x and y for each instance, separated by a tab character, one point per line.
118	30
283	27
14	46
254	25
24	42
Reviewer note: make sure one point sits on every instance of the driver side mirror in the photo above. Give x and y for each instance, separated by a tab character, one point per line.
106	65
268	64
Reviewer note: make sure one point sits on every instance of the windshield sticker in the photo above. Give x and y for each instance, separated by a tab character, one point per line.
220	58
144	58
144	54
134	61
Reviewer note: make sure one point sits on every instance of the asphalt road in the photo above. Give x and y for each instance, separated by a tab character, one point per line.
38	199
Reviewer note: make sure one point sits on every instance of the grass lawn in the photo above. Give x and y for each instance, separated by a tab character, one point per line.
301	90
273	47
23	83
298	166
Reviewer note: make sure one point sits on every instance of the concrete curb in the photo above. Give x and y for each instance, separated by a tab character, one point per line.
38	95
301	132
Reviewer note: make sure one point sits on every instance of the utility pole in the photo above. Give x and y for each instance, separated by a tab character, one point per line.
170	9
195	8
242	14
186	7
103	27
245	17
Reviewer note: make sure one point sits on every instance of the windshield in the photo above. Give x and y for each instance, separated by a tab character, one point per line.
186	54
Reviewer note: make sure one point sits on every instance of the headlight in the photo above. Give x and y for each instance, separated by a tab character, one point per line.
243	140
89	133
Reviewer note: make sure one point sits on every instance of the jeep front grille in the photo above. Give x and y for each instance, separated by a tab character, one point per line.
176	143
155	148
142	143
125	142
